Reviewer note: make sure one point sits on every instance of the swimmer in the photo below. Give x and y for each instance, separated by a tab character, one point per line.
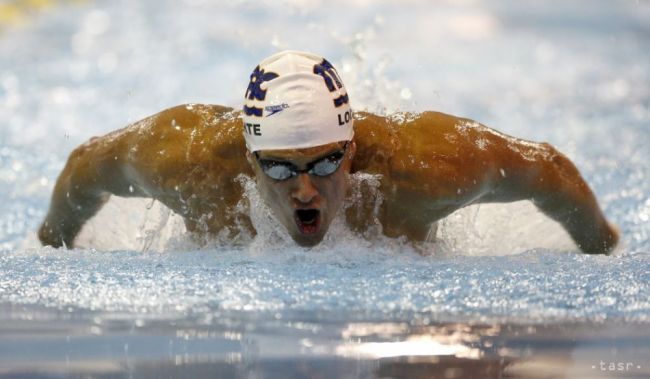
301	141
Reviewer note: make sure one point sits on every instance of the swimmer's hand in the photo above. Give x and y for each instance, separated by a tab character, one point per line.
596	239
67	214
609	242
57	234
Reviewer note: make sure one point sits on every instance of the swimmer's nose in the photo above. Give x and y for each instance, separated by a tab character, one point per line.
305	191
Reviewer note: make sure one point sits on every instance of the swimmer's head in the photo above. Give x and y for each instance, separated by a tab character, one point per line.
295	100
298	130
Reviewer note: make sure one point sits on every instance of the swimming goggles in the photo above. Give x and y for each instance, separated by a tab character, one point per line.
325	166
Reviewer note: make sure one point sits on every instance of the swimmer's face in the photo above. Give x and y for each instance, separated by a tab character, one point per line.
304	203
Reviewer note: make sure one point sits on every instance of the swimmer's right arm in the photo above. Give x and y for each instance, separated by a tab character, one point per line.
102	167
91	174
153	158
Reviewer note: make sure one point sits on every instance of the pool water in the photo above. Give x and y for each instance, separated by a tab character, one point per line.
502	292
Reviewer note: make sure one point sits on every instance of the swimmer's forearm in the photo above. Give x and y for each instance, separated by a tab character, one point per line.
561	193
582	219
76	197
523	170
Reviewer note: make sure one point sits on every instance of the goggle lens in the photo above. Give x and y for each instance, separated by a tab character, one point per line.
284	170
276	170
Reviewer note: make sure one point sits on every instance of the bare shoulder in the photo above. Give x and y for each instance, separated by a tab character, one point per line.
161	150
186	133
420	158
174	123
186	123
433	155
405	143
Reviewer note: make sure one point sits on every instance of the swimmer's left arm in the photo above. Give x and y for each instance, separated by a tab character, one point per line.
540	173
467	163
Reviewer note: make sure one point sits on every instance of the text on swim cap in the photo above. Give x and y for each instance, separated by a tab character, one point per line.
253	129
346	117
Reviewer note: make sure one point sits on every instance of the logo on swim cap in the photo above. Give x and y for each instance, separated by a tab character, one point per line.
329	74
273	109
255	91
306	99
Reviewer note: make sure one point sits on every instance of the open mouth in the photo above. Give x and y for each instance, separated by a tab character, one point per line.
308	220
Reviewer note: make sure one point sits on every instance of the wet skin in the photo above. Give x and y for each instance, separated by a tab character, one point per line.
428	165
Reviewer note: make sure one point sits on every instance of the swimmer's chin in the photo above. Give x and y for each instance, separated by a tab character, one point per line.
308	241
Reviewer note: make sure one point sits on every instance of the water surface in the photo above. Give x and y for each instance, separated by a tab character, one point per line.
502	292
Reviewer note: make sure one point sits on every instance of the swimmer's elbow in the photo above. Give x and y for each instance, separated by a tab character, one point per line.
556	173
531	171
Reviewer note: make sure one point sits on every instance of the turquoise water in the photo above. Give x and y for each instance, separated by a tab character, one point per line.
139	299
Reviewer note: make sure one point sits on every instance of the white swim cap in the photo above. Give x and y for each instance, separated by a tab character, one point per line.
295	100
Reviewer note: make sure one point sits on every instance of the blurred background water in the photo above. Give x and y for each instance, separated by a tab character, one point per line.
503	292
